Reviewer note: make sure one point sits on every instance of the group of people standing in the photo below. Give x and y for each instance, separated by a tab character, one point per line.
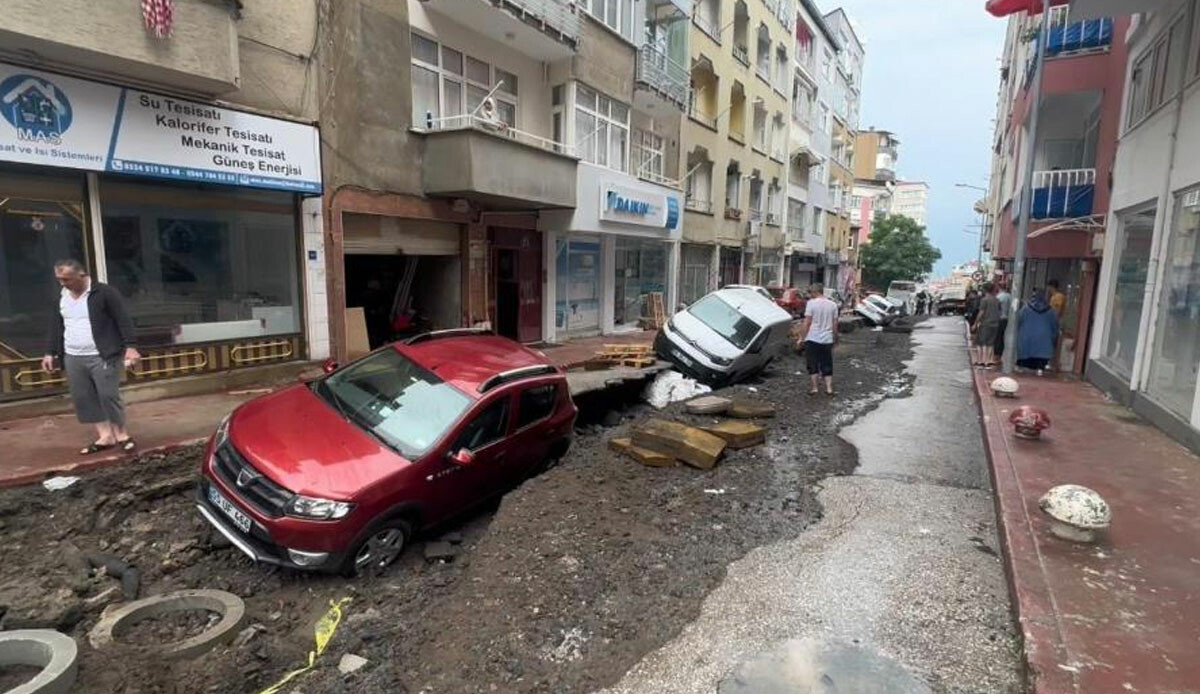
1038	323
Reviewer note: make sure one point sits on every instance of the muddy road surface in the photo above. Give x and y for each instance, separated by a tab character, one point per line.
560	587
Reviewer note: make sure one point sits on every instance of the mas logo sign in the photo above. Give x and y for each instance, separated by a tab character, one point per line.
38	109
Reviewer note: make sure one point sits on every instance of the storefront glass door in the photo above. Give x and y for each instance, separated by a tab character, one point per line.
1133	259
641	269
41	221
1173	368
577	287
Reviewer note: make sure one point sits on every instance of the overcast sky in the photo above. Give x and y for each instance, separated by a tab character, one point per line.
931	76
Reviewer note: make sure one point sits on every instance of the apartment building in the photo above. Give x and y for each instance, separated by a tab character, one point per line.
843	76
875	155
1079	122
911	199
808	150
180	163
1145	339
735	144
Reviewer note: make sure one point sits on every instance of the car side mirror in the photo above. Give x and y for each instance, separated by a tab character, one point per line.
462	457
329	366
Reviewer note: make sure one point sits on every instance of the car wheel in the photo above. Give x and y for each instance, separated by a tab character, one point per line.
379	549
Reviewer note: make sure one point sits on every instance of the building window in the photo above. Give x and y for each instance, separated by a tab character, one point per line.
447	85
773	199
601	129
1176	356
695	268
199	264
615	14
823	118
796	219
1155	74
699	185
733	187
760	128
648	154
764	53
756	198
1136	230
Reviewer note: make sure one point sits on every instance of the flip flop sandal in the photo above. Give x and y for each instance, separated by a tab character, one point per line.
128	445
96	448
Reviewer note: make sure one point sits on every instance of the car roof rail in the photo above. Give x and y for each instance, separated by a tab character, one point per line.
517	375
439	334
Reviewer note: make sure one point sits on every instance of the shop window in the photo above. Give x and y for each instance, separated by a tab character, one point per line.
641	269
601	129
1176	356
1132	262
695	266
202	264
577	286
41	221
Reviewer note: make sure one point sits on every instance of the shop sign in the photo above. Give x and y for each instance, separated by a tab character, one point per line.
52	120
628	205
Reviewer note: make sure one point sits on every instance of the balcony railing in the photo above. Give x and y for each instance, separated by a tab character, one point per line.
1063	194
742	55
494	127
656	70
557	18
648	166
1071	38
698	115
697	205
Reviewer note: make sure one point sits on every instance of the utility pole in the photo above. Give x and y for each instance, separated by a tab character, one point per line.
1018	283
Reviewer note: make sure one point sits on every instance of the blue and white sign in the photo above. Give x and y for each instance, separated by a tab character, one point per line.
640	206
54	120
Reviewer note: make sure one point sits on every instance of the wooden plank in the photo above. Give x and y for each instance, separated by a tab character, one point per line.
738	433
749	409
693	446
645	456
357	343
708	404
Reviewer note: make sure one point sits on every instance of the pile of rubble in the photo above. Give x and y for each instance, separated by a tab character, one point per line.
661	442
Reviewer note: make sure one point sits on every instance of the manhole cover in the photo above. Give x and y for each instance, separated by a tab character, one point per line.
809	666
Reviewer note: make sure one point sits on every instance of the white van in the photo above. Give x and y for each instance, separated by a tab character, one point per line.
903	294
726	336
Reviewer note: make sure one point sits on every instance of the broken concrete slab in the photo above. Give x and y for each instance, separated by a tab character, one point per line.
739	433
693	446
751	409
708	404
351	663
645	456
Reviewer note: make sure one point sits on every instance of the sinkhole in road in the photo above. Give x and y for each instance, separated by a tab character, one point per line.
814	666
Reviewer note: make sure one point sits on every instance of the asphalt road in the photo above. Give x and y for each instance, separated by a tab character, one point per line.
897	589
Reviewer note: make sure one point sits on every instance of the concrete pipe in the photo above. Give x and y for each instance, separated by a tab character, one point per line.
116	621
55	653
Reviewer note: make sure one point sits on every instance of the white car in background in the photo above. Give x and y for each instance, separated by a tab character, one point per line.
726	336
877	310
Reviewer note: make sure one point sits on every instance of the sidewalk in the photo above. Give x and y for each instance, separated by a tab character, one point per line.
1122	615
35	448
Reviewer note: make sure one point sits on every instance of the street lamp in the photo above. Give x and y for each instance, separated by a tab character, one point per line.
982	225
968	185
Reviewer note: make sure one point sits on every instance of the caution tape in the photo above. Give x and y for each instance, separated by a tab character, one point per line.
322	634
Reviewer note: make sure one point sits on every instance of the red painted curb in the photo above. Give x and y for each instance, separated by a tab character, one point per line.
92	464
1043	646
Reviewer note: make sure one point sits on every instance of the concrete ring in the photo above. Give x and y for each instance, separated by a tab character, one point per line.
55	653
116	621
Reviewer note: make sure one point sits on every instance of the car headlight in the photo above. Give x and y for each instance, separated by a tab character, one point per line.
221	436
320	509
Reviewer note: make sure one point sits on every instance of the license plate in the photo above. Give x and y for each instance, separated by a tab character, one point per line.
241	520
683	357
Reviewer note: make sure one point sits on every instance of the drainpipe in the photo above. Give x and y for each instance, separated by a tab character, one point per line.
1035	107
1155	267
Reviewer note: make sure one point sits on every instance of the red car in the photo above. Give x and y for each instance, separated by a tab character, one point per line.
338	474
789	299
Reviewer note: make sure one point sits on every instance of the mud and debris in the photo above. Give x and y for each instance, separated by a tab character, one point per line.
560	587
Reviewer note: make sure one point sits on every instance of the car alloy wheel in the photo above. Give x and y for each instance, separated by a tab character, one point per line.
380	549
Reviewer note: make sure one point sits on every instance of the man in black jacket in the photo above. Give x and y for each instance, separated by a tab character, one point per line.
92	334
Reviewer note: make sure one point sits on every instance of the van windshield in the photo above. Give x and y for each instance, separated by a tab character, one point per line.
725	320
403	405
902	287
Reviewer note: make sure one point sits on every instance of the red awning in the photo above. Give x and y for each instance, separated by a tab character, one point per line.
1003	8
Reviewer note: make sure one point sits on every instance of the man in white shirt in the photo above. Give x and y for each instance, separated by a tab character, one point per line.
92	334
819	335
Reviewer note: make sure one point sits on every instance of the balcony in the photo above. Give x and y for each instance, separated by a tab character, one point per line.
484	160
1073	38
742	55
664	77
649	164
698	115
885	174
697	205
1063	194
200	57
547	30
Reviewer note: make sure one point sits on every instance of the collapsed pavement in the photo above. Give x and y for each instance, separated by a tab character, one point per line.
576	576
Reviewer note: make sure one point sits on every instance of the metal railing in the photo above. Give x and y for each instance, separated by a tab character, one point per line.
558	15
742	55
648	166
656	69
696	205
1065	37
701	117
493	127
1064	178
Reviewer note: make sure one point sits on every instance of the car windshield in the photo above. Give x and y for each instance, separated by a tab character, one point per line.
405	406
902	287
725	320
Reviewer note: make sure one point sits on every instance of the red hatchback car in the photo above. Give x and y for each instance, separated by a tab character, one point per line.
339	473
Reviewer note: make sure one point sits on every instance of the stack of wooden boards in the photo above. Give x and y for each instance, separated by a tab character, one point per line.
636	355
661	442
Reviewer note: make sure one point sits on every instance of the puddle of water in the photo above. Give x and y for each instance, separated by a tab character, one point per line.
812	666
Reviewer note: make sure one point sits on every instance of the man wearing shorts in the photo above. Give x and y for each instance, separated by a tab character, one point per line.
819	335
